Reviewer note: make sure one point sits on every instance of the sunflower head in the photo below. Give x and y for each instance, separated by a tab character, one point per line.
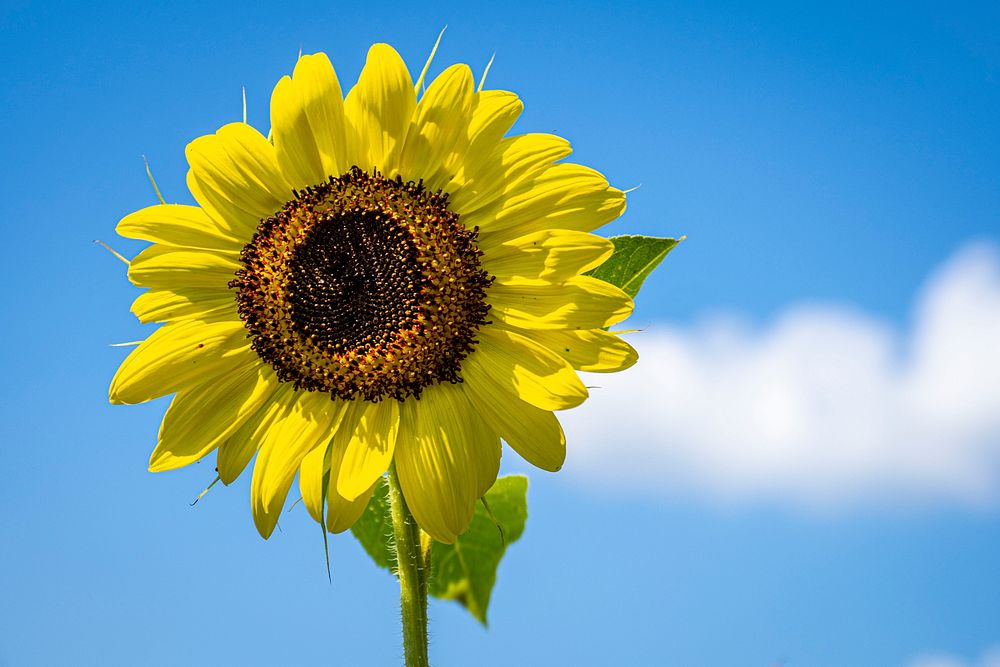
380	280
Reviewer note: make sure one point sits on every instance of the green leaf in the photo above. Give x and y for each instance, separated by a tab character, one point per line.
466	570
374	528
633	260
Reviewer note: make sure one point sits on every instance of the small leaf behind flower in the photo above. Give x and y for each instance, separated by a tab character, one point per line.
466	570
374	528
633	260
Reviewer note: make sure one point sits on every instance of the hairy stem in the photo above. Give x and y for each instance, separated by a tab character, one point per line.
412	571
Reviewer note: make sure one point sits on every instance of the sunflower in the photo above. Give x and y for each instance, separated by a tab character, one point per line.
382	281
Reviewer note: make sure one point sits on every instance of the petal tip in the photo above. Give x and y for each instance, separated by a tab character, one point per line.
349	486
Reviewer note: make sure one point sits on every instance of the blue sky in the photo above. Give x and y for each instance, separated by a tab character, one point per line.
837	172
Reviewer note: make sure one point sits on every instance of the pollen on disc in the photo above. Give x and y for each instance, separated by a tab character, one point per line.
363	286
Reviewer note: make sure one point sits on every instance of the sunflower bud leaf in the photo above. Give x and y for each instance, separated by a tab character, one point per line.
466	570
374	529
633	260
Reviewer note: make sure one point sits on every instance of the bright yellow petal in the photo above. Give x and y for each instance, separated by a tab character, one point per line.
231	220
493	114
312	471
533	433
178	356
341	513
526	369
513	161
439	127
237	177
367	449
592	350
235	453
178	225
307	119
378	109
201	418
551	255
323	463
306	423
563	196
162	305
484	444
435	462
579	303
169	267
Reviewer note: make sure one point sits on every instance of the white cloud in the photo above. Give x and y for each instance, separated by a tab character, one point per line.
826	407
990	659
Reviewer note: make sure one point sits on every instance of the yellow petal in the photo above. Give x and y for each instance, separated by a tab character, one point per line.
533	433
237	172
177	356
551	255
307	120
201	418
379	108
484	445
590	350
161	305
563	196
439	128
526	369
435	462
323	463
513	161
312	471
235	453
225	215
168	267
341	513
306	423
178	225
579	303
367	448
493	114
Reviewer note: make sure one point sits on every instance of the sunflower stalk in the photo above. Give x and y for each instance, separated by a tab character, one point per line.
412	565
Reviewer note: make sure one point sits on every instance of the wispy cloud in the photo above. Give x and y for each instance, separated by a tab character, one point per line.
826	407
990	659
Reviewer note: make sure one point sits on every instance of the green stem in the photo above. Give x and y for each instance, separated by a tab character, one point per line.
412	571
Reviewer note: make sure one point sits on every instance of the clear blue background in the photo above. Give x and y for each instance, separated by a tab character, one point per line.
809	152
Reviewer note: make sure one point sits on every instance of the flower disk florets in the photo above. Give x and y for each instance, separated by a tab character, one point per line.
363	286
